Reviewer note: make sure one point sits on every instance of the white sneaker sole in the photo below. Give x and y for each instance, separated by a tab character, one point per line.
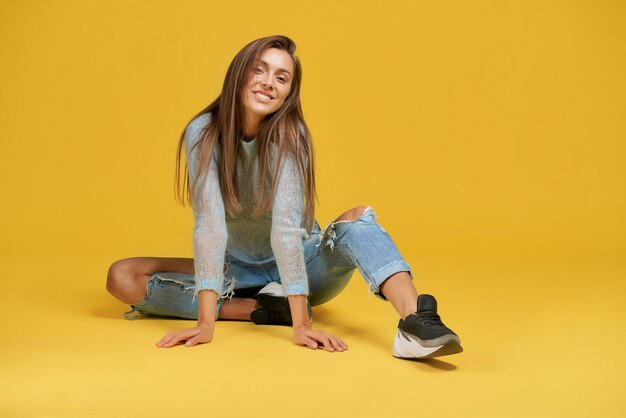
406	346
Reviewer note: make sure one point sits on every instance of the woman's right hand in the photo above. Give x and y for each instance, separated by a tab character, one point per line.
305	335
202	333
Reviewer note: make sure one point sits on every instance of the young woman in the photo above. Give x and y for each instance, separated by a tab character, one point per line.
259	253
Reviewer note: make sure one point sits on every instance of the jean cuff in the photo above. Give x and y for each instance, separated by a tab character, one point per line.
384	273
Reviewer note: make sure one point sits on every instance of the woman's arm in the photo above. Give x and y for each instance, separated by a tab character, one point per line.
209	242
286	239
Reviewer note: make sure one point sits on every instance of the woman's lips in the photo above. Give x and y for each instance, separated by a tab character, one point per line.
261	97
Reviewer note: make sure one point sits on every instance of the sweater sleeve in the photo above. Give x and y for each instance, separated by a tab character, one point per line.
209	234
287	232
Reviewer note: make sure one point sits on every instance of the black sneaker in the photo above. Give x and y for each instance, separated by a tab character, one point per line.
423	335
274	308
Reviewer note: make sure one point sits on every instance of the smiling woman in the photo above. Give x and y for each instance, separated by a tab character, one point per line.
258	252
266	87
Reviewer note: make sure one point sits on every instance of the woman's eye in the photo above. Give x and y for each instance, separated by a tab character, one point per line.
282	79
258	70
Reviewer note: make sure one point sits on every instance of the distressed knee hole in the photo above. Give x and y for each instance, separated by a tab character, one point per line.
352	214
174	282
329	232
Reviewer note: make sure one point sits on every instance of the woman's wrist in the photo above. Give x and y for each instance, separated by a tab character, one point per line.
300	328
299	312
207	304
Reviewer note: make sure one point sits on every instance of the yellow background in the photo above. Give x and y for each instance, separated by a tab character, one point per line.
488	135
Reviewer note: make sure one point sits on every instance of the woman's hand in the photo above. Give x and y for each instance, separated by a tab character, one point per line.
305	335
203	332
198	335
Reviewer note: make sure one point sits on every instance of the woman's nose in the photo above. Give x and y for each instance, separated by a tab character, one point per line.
267	84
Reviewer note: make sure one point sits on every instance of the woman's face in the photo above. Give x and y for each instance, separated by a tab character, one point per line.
268	84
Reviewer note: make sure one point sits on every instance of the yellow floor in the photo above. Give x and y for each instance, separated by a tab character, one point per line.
540	339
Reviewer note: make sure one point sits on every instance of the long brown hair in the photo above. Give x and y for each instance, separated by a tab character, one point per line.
284	130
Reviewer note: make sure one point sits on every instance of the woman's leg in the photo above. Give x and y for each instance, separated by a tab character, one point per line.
128	280
356	241
397	288
362	243
401	292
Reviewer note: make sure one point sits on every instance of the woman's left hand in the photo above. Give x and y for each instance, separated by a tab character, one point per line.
304	335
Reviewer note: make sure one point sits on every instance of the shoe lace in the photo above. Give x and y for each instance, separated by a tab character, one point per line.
430	318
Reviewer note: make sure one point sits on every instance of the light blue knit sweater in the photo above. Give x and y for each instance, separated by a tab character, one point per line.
276	235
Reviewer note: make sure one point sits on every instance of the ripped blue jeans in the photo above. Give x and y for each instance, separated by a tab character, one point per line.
331	256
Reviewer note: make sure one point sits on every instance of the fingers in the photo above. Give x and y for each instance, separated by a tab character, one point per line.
192	341
327	344
305	339
198	339
341	343
168	340
165	340
337	343
311	343
330	342
333	343
174	337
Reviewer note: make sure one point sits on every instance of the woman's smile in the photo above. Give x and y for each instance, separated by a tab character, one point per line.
262	97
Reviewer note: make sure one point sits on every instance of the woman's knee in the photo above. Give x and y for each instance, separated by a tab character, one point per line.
118	272
351	214
122	281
